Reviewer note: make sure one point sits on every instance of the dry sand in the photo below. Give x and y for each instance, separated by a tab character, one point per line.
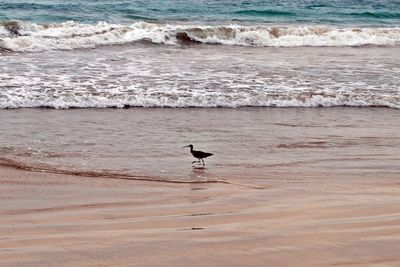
63	220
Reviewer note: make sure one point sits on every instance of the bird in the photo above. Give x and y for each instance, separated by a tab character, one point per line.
200	155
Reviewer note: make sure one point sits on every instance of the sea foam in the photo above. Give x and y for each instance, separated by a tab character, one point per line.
180	98
31	37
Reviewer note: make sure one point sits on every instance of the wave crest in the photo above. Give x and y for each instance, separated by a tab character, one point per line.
201	100
17	36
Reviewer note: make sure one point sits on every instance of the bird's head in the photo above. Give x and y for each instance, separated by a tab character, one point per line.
191	146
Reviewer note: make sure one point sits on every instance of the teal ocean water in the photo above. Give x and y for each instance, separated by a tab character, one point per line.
335	12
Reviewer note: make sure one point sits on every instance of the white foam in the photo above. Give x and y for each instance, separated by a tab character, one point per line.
70	35
61	100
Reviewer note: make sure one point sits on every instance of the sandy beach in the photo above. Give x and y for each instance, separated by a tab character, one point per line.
286	187
296	104
63	220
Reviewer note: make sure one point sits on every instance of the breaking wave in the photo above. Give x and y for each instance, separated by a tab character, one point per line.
18	36
211	100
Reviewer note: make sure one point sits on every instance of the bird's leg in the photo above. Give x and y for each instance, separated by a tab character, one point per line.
203	162
196	161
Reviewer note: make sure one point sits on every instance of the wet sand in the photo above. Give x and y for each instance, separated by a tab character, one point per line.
63	220
286	187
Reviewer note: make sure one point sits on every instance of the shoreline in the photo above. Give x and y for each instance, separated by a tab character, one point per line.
54	219
46	169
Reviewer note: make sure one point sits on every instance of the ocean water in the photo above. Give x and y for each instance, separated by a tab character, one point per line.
80	54
242	56
336	12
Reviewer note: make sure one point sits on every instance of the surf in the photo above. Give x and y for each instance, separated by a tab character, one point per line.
19	36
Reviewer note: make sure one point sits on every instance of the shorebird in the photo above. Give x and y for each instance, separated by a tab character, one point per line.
200	155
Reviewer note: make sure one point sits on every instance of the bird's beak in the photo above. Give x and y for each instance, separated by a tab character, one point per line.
185	146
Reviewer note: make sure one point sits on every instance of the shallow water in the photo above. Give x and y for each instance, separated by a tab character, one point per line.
202	76
248	143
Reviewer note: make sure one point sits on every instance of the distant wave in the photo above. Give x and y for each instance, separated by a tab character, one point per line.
270	13
377	15
17	36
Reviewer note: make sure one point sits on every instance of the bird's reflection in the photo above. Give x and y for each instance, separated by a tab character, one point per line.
197	172
198	175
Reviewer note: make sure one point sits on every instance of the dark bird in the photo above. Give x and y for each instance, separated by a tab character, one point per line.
200	155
